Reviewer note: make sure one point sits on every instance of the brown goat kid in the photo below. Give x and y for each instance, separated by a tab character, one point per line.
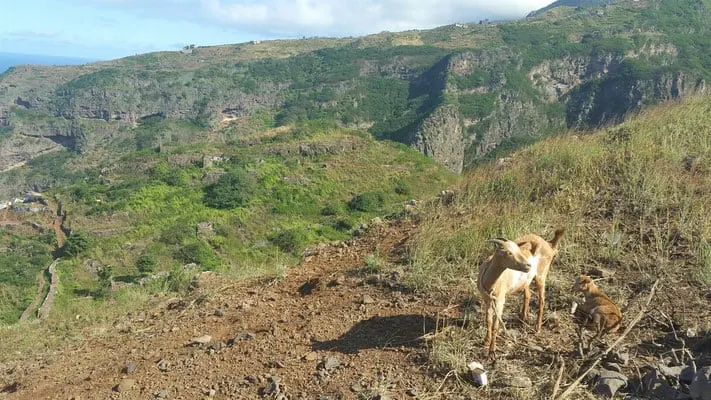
601	314
511	269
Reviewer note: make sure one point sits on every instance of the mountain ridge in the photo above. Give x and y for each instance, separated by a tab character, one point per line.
572	3
501	82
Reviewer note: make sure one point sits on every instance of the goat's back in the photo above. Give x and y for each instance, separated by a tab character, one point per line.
539	246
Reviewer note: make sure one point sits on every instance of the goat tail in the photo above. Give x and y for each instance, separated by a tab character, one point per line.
556	238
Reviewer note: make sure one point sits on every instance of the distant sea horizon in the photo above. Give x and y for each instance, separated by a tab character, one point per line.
8	60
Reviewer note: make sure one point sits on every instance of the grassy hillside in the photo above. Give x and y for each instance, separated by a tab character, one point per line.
24	254
292	124
634	201
632	198
248	207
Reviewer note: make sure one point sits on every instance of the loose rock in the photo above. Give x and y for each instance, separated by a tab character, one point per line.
130	367
518	382
242	336
670	372
700	389
331	363
163	365
619	357
124	386
687	374
609	383
610	366
204	339
273	386
163	394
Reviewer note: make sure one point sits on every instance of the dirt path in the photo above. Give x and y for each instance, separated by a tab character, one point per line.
57	224
38	298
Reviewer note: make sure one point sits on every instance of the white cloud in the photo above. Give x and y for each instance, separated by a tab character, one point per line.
342	17
325	17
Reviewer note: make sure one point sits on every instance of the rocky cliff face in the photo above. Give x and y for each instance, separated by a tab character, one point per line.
555	78
600	89
440	136
514	117
599	102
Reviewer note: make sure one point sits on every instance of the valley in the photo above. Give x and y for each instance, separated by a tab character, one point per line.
305	219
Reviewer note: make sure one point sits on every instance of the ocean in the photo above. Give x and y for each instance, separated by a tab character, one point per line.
8	60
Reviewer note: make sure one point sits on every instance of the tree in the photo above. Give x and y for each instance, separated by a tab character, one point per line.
146	264
77	243
233	189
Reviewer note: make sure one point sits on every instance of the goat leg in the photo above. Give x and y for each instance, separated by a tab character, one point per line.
541	303
525	313
489	324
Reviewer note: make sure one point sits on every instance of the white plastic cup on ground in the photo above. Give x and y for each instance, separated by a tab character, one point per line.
478	373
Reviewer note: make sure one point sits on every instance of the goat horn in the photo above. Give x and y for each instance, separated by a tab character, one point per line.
499	240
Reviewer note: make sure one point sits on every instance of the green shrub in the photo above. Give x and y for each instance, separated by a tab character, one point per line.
197	252
146	264
77	243
402	188
178	233
343	224
331	209
367	202
233	189
289	240
106	273
172	176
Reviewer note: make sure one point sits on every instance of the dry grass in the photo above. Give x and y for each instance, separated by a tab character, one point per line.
634	201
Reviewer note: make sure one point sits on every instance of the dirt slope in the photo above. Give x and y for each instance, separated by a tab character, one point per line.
285	328
329	329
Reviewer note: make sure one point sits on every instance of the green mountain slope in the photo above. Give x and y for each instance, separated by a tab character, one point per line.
237	157
247	207
455	93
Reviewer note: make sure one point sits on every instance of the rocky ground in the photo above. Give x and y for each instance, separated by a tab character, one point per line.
333	328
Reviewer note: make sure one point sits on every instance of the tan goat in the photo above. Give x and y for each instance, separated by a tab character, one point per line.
511	269
601	314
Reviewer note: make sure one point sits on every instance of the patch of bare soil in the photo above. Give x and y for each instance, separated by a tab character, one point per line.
329	329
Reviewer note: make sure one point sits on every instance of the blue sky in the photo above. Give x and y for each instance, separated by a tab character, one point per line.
105	29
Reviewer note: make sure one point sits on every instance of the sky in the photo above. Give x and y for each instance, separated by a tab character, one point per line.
107	29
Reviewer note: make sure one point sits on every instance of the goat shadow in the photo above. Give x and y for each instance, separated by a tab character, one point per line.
380	332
